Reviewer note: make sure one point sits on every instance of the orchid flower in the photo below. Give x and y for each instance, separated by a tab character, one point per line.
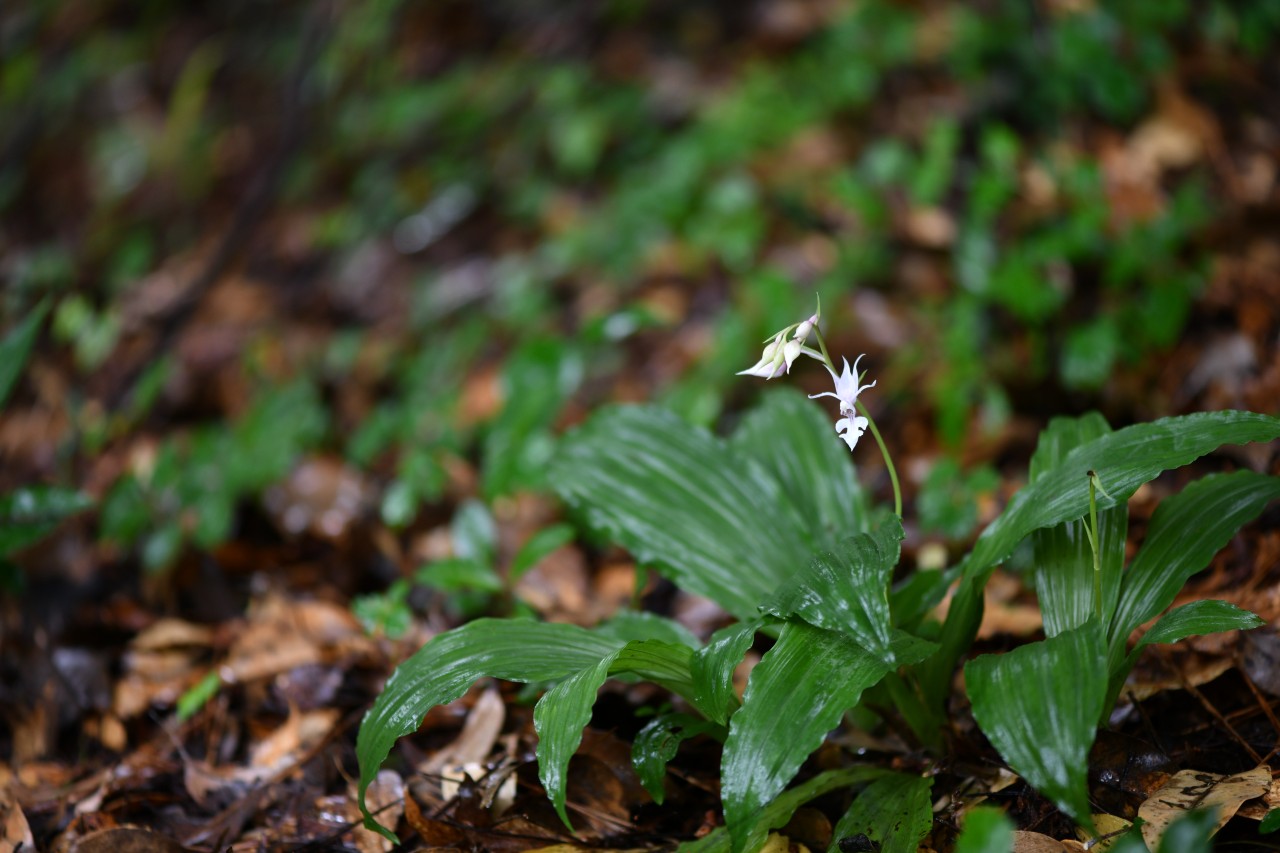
779	354
784	347
773	362
851	426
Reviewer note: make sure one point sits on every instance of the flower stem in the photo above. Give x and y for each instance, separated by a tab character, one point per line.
822	345
888	460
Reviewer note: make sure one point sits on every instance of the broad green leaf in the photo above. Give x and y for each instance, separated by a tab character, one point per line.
847	590
912	599
1194	619
907	650
795	695
1039	705
538	546
1064	569
791	438
778	812
1186	530
656	744
443	669
564	710
1063	557
559	718
15	347
898	693
628	625
895	811
1125	459
679	499
1062	436
986	830
30	513
665	664
713	667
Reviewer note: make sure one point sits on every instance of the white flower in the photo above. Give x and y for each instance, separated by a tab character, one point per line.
850	426
851	429
777	358
806	328
780	353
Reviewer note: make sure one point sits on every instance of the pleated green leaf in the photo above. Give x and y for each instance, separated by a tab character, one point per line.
443	669
713	667
559	718
564	710
1039	705
1062	436
714	518
1125	459
1064	569
895	811
778	812
1063	558
656	744
847	590
629	625
796	694
1194	619
1186	531
790	437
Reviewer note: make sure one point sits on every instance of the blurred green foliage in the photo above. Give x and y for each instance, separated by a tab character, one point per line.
190	489
129	139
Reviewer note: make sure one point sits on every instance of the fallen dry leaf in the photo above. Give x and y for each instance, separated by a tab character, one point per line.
1259	808
478	735
15	833
1035	842
285	634
1110	827
1193	789
125	839
290	742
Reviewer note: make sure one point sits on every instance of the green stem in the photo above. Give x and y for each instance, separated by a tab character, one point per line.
1093	543
822	345
888	460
